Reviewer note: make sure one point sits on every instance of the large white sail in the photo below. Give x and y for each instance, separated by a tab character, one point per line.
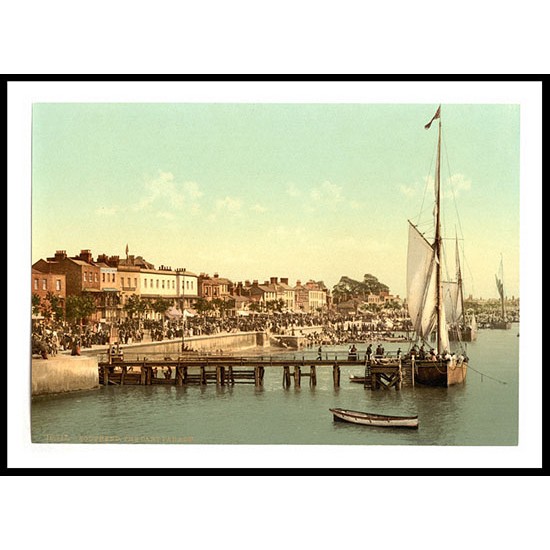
421	283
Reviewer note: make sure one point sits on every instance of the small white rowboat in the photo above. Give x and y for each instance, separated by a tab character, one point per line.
370	419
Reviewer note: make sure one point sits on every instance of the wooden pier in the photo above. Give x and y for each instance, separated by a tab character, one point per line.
228	370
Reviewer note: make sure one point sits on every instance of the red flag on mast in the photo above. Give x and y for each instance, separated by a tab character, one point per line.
437	115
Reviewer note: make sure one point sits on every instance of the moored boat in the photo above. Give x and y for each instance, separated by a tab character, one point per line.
434	304
372	419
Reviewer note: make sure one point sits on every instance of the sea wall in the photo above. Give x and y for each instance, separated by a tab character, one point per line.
208	343
64	373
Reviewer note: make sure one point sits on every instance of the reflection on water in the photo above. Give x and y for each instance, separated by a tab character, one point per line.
483	411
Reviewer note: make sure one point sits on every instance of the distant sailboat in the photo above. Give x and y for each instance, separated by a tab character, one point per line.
462	328
427	295
503	322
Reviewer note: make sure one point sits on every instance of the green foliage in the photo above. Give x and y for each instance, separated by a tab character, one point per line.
202	306
135	306
55	305
348	288
161	305
35	302
79	308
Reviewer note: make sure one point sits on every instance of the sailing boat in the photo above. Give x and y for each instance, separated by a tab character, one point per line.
503	322
462	328
426	298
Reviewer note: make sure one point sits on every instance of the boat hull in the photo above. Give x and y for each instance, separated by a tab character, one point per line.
440	373
464	335
378	420
501	325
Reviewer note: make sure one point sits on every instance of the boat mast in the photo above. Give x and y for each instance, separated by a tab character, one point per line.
437	243
459	282
502	289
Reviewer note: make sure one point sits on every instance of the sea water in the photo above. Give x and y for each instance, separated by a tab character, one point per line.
482	411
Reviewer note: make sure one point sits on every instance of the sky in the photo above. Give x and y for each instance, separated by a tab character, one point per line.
253	190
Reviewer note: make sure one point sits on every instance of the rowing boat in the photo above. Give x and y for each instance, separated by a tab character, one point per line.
370	419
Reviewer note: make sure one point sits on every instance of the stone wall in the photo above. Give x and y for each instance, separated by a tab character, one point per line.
64	373
210	343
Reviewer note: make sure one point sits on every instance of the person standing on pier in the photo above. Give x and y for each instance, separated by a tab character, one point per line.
319	353
369	353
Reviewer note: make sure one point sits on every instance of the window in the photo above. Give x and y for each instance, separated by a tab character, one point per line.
157	283
128	279
151	283
162	283
187	285
103	277
58	285
113	277
95	277
135	282
145	283
85	276
36	284
44	284
174	284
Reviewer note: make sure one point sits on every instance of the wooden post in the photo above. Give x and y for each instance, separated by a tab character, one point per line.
286	377
106	376
219	376
412	369
230	375
143	374
256	376
373	381
336	375
122	374
262	373
185	373
400	377
203	374
179	376
312	376
297	376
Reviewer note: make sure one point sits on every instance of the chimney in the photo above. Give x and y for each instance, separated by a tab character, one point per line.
86	256
247	283
266	283
273	280
298	282
216	275
255	282
60	255
102	258
284	280
114	261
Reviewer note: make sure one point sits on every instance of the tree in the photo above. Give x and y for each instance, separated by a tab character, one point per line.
202	306
56	306
35	302
79	308
160	305
135	306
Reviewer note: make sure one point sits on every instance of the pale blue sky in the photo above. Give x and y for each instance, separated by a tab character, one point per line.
289	190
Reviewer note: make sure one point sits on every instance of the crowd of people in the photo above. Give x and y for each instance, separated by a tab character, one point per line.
50	338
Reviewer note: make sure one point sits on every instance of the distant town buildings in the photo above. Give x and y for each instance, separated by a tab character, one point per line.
121	286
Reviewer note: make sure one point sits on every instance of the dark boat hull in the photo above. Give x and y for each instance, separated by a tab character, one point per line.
439	373
464	335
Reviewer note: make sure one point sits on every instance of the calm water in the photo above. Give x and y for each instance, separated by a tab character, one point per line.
480	412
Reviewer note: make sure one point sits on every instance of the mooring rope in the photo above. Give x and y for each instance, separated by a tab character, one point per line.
483	374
